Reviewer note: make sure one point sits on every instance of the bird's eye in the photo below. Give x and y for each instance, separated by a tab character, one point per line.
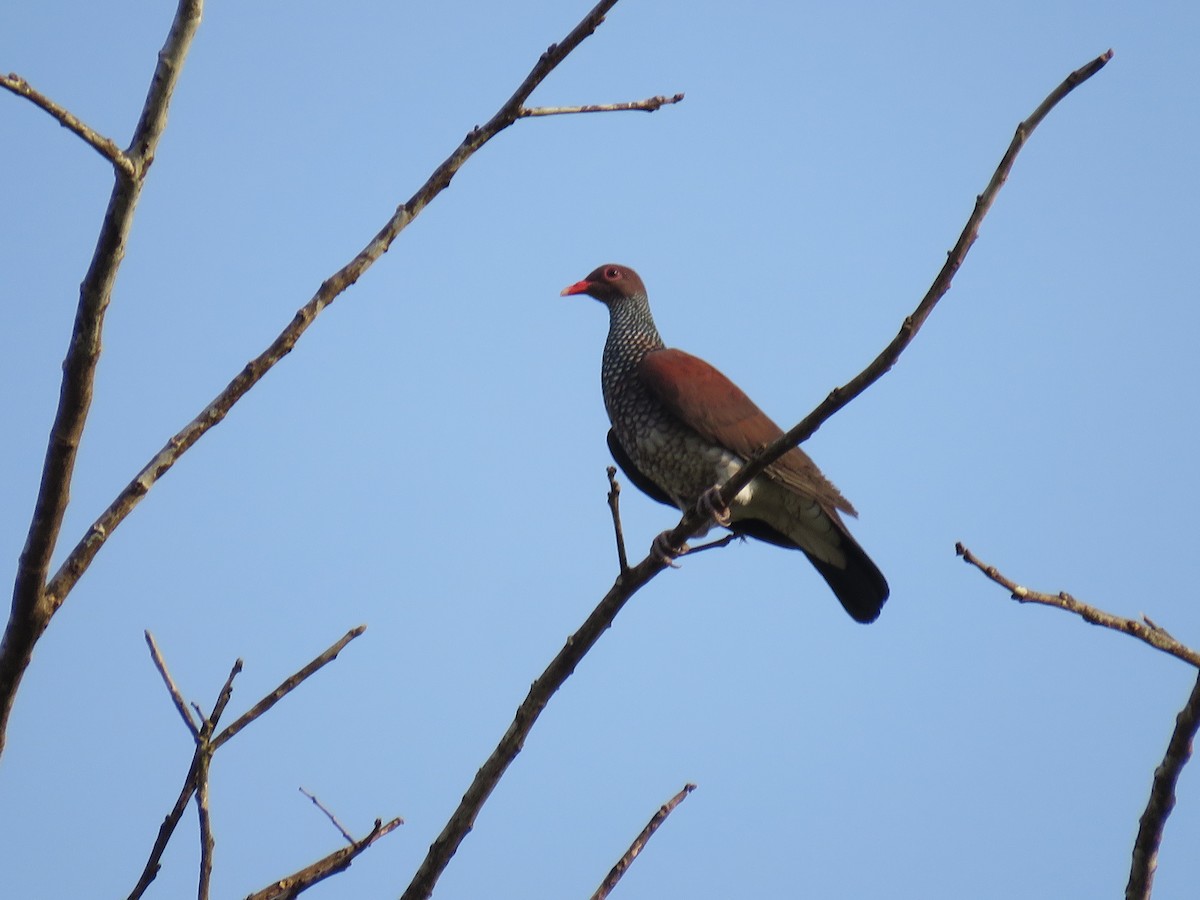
612	273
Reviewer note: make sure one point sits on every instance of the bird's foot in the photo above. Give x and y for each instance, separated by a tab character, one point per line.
665	552
710	505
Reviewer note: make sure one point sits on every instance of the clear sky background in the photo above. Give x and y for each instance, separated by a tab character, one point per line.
430	460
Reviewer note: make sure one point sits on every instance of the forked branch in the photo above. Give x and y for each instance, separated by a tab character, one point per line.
337	861
1149	632
208	741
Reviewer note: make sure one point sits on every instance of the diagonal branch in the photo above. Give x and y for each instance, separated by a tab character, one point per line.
650	104
1156	637
167	828
1162	799
33	605
105	146
329	815
540	692
614	875
338	861
629	582
839	397
287	686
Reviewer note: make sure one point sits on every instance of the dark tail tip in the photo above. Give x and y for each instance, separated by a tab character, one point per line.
860	586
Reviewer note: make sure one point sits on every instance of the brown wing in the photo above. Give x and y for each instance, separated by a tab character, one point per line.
708	402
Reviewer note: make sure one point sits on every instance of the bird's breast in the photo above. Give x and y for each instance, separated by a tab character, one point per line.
679	460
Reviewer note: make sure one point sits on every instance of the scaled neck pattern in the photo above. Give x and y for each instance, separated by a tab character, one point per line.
631	335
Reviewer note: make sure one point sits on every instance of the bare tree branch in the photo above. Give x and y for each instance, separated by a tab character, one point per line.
332	818
632	580
614	505
1147	631
338	861
172	689
105	146
1162	799
650	104
287	686
33	605
839	397
639	842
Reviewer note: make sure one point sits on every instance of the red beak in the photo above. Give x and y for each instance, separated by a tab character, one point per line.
579	287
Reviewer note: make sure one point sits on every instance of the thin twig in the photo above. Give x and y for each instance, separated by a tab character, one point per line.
172	689
288	685
1162	799
223	698
339	860
650	104
639	842
105	146
614	505
628	583
1156	637
717	544
33	603
332	818
1156	627
839	397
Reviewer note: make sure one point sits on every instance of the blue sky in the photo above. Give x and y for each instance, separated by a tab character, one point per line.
430	459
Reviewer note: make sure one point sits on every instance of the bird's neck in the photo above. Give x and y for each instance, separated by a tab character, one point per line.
631	335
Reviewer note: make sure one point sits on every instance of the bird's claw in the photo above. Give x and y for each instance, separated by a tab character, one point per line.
710	505
665	552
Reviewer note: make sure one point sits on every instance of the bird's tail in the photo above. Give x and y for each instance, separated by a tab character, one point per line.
860	586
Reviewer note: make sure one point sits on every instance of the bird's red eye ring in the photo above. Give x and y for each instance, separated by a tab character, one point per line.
612	273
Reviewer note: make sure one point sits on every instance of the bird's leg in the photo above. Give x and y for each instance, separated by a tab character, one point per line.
711	505
664	551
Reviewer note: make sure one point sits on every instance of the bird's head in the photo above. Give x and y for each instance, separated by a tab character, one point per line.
609	284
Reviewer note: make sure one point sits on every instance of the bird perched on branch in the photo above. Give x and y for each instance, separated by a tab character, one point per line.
680	429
